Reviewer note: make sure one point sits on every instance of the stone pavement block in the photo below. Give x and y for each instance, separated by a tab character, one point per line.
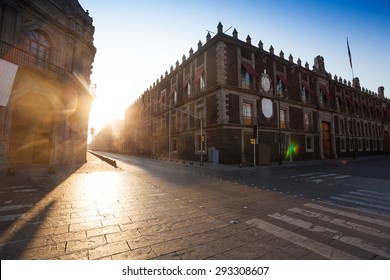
134	225
85	226
277	254
144	253
103	230
108	250
99	218
142	241
53	230
69	236
84	213
296	251
210	249
249	251
43	252
116	221
167	247
82	256
86	243
122	235
205	237
154	229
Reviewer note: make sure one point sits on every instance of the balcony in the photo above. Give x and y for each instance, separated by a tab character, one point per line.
24	59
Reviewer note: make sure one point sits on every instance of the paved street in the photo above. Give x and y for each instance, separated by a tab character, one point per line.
153	209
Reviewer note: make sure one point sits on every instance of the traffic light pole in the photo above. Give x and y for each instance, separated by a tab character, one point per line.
254	152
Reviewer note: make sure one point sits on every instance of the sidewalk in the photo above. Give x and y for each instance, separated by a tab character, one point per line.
285	163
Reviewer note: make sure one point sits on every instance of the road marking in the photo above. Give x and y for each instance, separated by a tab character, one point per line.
340	222
362	197
370	205
334	234
312	245
348	214
342	177
14	207
10	217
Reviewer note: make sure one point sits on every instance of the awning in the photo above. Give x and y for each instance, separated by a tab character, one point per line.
283	79
325	91
162	96
306	85
198	75
172	91
341	99
7	77
249	68
184	87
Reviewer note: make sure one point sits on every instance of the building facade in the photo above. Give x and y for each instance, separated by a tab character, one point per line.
229	90
46	56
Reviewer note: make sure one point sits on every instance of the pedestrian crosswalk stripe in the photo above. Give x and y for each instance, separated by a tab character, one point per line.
310	244
10	217
331	233
340	222
376	193
369	195
348	214
361	203
353	195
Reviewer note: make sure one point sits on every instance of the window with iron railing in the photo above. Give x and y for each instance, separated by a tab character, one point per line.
38	46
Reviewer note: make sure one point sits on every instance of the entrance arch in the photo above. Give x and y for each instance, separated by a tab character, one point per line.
31	130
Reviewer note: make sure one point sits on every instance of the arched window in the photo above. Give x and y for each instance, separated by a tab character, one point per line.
38	46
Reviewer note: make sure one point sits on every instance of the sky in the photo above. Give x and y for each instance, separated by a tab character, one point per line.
137	41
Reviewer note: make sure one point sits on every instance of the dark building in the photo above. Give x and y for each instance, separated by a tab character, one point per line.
46	53
299	113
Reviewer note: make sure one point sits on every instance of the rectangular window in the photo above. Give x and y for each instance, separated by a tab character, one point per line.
341	124
342	145
367	144
309	143
173	123
247	113
307	121
174	145
282	118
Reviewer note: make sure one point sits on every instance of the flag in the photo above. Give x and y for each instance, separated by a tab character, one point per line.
7	77
349	54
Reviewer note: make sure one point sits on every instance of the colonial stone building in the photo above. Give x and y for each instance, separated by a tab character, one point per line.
46	53
238	90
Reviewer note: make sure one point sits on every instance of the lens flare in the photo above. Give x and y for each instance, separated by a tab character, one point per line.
292	150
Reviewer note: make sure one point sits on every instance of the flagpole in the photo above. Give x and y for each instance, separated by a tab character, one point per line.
350	59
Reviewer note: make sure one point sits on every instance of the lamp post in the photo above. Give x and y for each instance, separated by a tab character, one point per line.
353	138
278	92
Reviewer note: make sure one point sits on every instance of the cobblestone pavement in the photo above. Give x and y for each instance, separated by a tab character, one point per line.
100	212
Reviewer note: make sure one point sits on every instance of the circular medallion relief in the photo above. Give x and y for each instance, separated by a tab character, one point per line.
267	107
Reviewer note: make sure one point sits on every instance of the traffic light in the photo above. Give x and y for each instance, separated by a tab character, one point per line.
255	131
203	138
252	141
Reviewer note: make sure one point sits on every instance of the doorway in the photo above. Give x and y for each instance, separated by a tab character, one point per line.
31	131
